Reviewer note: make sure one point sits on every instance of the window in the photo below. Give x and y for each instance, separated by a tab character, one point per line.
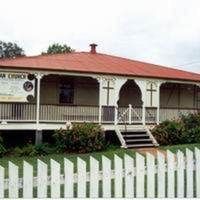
66	94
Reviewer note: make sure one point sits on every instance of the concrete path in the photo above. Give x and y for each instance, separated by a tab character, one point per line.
152	151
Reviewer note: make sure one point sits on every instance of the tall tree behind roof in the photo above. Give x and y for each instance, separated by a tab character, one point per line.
58	48
10	50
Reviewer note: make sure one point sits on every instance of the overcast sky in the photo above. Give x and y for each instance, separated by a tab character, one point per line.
165	32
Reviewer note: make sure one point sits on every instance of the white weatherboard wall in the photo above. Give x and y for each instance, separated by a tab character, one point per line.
108	182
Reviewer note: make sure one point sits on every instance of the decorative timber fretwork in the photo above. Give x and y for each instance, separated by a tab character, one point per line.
151	93
108	88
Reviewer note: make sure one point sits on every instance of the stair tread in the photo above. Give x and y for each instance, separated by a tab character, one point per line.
130	132
135	135
133	131
138	140
140	145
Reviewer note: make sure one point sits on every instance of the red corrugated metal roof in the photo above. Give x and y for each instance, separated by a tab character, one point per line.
84	62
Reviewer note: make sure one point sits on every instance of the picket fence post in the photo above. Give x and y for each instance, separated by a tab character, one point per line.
81	180
41	179
197	170
13	180
139	176
170	174
69	179
55	179
150	175
118	166
180	174
27	180
2	176
129	176
106	179
161	175
189	173
94	178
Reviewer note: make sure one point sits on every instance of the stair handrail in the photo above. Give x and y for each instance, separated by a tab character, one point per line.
121	139
151	136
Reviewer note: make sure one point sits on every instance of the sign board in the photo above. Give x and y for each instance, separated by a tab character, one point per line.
16	87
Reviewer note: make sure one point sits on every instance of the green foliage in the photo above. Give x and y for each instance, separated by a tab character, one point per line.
191	131
33	150
10	50
82	138
58	48
182	131
3	150
43	149
168	132
27	150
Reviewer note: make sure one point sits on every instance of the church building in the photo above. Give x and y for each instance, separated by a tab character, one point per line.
126	96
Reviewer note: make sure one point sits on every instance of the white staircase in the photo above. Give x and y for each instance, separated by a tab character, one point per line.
135	137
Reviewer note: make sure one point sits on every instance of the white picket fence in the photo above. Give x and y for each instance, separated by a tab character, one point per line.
176	175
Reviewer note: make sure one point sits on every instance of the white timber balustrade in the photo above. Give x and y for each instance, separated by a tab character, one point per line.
170	175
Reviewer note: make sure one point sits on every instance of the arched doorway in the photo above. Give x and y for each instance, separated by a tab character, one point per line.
130	94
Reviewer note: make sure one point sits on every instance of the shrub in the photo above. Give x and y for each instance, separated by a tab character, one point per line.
33	150
43	149
168	132
191	131
3	150
184	130
27	150
82	138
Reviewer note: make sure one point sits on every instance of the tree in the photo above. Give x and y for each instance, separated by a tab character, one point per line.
10	50
58	48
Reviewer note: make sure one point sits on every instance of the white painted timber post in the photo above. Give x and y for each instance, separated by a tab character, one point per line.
143	114
38	138
100	101
158	102
142	85
116	115
129	113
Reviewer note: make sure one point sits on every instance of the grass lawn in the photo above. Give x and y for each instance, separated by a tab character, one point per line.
181	147
60	158
73	157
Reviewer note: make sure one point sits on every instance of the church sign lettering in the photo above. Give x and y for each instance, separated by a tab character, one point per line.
16	87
